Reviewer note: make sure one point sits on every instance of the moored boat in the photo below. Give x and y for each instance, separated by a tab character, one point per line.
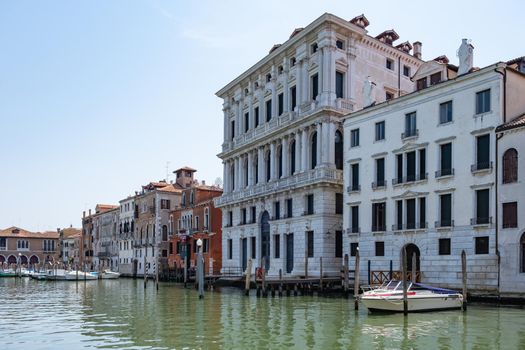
420	297
56	275
109	275
7	273
79	275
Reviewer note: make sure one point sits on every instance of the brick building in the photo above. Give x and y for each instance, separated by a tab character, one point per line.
196	218
31	247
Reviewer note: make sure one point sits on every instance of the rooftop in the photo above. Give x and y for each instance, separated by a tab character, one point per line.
518	122
18	232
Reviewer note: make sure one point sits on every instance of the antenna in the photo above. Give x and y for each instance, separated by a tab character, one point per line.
167	171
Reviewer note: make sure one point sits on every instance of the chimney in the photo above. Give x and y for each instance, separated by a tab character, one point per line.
203	183
417	49
89	212
83	214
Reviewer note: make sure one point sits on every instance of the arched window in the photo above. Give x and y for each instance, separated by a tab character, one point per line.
164	233
292	157
192	198
510	166
338	150
280	161
313	150
522	253
268	166
206	218
232	177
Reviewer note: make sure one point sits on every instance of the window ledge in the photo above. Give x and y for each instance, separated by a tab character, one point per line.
446	123
444	177
482	171
482	114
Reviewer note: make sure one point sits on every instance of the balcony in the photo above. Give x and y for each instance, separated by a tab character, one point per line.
444	224
353	230
378	228
410	133
481	166
481	221
410	226
353	188
409	179
103	254
378	184
291	182
444	172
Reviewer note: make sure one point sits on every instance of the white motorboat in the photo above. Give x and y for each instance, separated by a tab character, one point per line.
109	275
389	298
38	275
80	276
56	274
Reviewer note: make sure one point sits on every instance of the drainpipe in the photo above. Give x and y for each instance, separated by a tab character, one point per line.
399	77
498	137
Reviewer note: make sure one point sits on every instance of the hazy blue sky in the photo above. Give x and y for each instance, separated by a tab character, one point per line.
96	96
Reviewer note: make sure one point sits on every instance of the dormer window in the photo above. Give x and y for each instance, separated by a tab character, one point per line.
314	48
268	77
246	92
292	61
340	44
435	78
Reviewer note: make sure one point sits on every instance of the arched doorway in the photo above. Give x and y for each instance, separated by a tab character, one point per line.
33	260
23	260
11	259
265	238
411	248
2	259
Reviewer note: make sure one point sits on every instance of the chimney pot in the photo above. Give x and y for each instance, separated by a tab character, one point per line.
417	49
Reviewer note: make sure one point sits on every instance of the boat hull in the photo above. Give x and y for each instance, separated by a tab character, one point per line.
415	303
110	275
81	276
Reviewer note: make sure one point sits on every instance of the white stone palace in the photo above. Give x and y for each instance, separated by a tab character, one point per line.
283	142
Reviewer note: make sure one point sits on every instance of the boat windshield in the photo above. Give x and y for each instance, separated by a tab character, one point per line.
392	285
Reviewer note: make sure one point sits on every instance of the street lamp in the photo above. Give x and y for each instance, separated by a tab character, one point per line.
200	269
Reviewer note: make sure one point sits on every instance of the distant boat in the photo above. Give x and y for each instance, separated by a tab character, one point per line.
39	275
389	298
7	273
109	275
56	275
80	276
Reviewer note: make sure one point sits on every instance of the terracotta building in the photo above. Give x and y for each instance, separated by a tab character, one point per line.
31	247
196	218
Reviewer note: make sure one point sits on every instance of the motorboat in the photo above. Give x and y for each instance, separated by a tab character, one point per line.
56	275
420	297
109	275
39	275
7	273
75	275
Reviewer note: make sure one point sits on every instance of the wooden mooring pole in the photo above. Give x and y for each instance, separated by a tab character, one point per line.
405	282
157	266
321	274
264	291
345	276
145	275
280	282
356	281
464	278
248	278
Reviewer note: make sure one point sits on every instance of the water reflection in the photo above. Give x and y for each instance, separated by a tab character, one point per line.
122	314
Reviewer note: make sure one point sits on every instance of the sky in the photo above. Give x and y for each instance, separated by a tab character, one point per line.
98	98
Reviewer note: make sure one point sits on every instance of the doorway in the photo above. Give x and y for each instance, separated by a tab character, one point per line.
265	239
289	253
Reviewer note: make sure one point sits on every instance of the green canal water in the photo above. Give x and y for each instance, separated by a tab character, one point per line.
120	314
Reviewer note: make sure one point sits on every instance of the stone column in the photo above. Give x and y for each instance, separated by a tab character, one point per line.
305	82
273	157
321	72
304	150
284	145
260	159
331	144
325	150
225	177
298	163
319	143
250	168
226	111
237	171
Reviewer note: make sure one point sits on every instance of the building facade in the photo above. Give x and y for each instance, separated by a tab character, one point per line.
28	248
126	234
105	241
283	142
421	174
69	245
196	218
152	209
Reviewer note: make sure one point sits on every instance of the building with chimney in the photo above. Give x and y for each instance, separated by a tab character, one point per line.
283	141
422	173
196	218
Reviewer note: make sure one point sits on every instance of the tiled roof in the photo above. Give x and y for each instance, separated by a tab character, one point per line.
516	60
71	232
518	122
187	168
14	231
170	188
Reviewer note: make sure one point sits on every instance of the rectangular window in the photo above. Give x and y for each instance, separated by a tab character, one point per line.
379	217
482	245
246	121
444	246
256	117
205	245
380	172
380	131
410	125
354	168
280	105
388	96
268	110
406	71
389	64
482	207
339	44
421	83
243	216
310	243
253	213
422	213
411	166
483	101
354	218
411	213
354	138
445	112
165	204
277	246
289	208
399	215
380	248
445	210
435	78
254	247
353	248
445	151
339	84
276	210
510	215
293	97
338	244
230	219
230	249
232	132
482	152
315	86
399	162
339	203
422	164
310	204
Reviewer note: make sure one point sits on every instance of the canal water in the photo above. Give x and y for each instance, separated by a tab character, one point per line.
120	314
